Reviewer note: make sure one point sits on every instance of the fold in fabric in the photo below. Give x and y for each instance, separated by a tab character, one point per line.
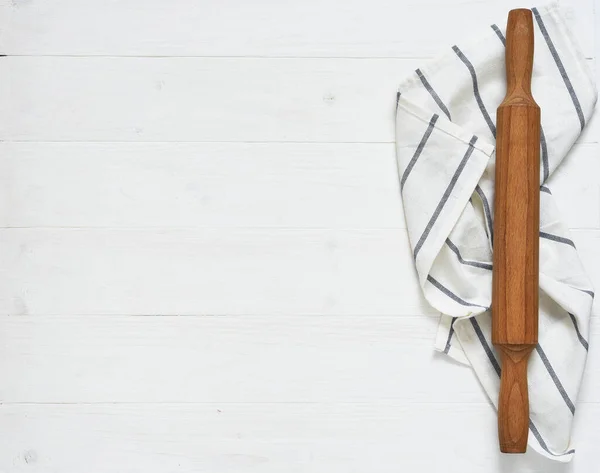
445	135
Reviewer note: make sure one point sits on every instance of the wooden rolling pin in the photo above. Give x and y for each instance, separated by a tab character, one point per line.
516	233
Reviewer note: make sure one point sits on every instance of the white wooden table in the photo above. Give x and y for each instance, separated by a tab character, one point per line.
203	260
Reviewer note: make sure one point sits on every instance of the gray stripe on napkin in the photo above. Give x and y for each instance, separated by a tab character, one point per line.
545	165
487	212
579	336
561	67
559	239
450	333
499	33
433	94
587	291
419	150
471	69
554	377
476	264
540	440
486	347
444	198
450	294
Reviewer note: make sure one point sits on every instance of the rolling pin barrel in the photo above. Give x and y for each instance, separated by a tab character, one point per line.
516	233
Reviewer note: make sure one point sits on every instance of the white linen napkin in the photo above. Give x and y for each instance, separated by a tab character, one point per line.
445	135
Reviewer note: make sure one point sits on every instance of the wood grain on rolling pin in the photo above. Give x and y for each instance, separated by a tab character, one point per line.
516	233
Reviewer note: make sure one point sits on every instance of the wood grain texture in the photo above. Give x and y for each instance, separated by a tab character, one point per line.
194	185
201	99
125	359
266	437
83	359
194	271
208	271
515	293
516	226
230	185
513	400
312	28
263	437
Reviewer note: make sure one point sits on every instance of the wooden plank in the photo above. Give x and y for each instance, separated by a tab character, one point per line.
237	271
237	359
292	185
200	99
207	271
313	28
227	359
200	185
270	438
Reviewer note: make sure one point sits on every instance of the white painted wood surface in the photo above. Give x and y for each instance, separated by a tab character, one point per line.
264	28
203	262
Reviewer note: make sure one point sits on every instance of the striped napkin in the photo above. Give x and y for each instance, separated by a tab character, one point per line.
445	135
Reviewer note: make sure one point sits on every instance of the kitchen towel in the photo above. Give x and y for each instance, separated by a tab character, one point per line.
445	135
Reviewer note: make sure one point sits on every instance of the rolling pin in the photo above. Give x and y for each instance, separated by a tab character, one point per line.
516	233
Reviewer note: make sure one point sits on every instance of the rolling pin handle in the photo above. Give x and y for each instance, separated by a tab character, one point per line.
513	402
519	52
